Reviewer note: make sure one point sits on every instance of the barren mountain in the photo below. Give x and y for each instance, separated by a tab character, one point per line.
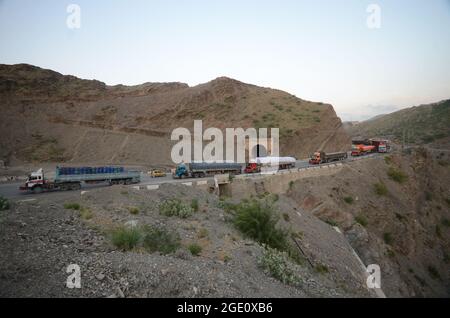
49	117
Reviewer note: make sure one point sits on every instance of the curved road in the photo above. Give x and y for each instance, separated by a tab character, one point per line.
11	190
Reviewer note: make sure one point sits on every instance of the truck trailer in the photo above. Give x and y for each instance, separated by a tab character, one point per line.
68	178
381	145
320	157
282	163
203	169
362	150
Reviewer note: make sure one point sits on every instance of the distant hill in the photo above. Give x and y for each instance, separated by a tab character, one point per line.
50	117
416	125
348	124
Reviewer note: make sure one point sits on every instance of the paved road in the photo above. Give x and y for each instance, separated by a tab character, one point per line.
11	190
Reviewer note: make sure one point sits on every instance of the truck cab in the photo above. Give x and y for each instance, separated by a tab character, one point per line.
316	158
356	150
181	171
382	148
252	168
35	179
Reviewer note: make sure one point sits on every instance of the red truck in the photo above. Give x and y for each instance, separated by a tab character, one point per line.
381	146
282	163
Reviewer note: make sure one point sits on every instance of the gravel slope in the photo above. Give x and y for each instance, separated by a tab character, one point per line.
39	239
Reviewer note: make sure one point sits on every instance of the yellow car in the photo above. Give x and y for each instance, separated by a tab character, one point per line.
157	173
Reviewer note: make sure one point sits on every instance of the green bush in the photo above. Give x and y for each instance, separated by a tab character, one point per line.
160	240
286	217
4	204
380	189
397	175
349	200
258	221
195	205
390	253
321	269
175	207
388	160
86	213
72	206
133	210
203	233
445	222
291	185
434	273
126	238
361	219
228	207
446	258
277	265
438	231
332	222
195	249
388	239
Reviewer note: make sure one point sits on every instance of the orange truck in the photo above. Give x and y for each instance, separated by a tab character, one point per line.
362	150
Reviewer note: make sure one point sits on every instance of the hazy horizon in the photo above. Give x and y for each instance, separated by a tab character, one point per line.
321	51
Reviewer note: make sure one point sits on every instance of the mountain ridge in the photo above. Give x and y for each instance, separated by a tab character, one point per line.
68	108
422	124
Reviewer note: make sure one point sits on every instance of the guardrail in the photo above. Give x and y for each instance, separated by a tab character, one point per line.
263	175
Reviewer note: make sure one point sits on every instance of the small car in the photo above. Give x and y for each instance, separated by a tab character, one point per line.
157	173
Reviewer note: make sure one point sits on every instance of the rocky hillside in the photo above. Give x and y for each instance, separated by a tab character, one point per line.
417	125
49	117
164	243
395	212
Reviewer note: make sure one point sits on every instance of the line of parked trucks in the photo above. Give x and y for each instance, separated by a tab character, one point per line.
359	148
68	178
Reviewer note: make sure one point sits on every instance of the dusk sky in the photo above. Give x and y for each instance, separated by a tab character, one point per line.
318	50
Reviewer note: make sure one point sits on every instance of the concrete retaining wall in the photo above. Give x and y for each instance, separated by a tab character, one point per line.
245	186
203	185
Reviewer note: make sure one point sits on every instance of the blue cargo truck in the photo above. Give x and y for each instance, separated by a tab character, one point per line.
203	169
68	178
